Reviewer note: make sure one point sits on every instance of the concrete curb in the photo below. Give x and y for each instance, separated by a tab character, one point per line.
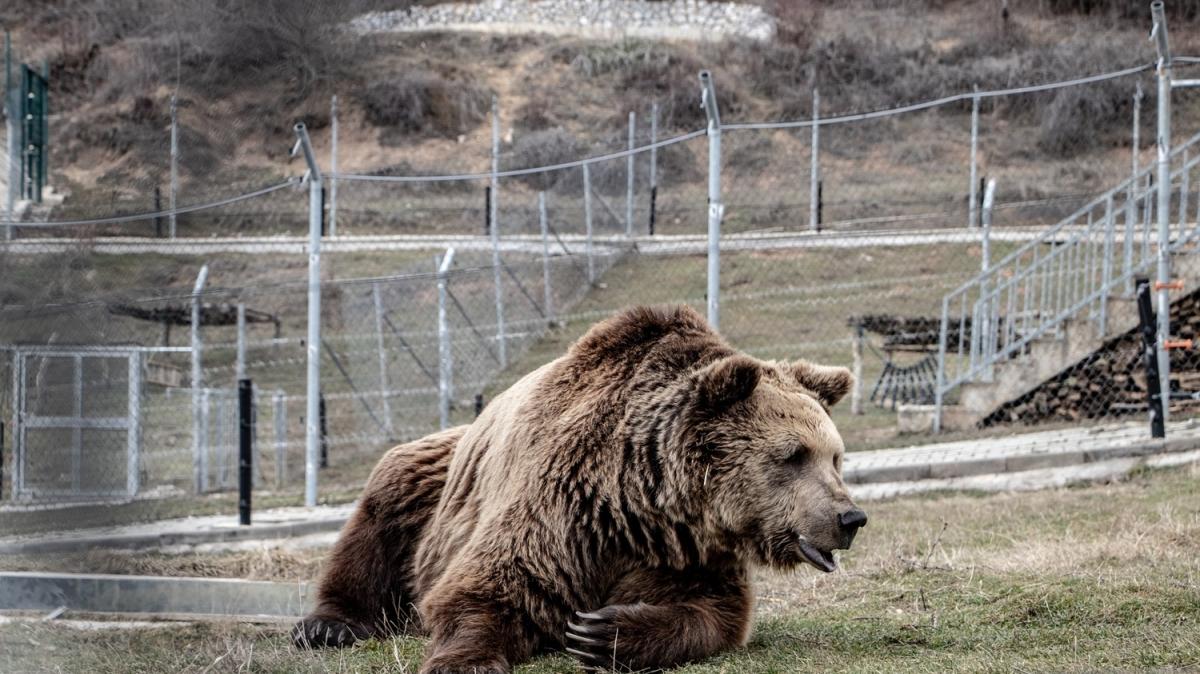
104	593
1017	462
139	541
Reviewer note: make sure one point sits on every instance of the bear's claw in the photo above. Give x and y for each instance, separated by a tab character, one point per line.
592	642
314	632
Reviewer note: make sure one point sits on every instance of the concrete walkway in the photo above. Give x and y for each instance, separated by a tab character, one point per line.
278	523
1017	462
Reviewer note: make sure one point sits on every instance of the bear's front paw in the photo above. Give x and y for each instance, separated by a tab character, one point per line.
594	638
318	632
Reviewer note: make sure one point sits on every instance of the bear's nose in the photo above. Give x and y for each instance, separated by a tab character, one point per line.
852	520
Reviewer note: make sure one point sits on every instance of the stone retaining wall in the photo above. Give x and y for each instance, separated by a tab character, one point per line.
600	19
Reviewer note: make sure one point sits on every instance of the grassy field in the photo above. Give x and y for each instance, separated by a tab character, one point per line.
1099	577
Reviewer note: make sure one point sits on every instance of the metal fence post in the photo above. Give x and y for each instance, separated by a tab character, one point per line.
653	166
1184	188
12	98
312	431
279	405
856	392
240	369
814	197
333	164
973	210
205	403
587	222
445	355
987	344
629	171
1163	47
547	290
939	393
174	161
715	207
1131	196
199	431
1107	265
383	363
501	339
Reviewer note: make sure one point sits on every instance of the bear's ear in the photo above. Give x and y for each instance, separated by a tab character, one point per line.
830	384
726	381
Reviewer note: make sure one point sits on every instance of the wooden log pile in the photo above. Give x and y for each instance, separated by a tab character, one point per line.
210	314
1111	381
908	331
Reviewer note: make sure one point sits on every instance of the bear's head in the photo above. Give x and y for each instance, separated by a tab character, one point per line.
769	459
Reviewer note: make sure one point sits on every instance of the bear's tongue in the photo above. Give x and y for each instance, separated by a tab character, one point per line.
818	558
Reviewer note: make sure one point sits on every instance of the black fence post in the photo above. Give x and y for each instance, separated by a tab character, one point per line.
820	203
1148	326
653	207
324	214
245	449
158	221
478	404
324	434
487	210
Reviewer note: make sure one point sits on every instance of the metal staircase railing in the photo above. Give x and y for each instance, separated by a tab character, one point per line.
1071	270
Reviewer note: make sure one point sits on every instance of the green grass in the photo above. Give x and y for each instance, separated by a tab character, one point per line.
1098	577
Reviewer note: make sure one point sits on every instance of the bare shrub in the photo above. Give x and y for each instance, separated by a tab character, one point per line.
544	148
1076	117
425	102
797	22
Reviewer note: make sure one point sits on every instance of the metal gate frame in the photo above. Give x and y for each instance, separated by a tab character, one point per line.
22	421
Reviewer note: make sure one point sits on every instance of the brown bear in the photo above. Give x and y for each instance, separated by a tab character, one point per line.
611	503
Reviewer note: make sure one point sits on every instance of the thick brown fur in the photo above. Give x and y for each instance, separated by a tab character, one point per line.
611	503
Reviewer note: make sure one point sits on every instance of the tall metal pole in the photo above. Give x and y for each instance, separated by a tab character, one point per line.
653	166
9	100
716	209
987	345
240	370
497	279
279	404
587	223
547	290
174	161
333	166
1131	196
973	203
629	170
445	355
814	188
199	451
312	429
1164	202
384	386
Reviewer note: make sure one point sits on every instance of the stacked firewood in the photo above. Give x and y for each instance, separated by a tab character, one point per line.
1111	382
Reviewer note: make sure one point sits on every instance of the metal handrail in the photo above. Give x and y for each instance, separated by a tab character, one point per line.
1077	258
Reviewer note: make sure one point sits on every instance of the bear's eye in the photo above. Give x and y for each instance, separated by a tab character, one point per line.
797	457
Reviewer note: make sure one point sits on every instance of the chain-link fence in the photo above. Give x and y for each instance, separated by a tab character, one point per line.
844	237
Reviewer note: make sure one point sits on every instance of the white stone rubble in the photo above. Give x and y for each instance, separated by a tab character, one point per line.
676	19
